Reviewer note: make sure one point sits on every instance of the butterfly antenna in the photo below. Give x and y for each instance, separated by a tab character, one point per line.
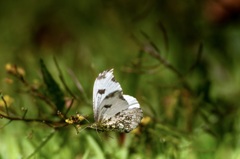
96	132
87	120
110	136
98	135
85	127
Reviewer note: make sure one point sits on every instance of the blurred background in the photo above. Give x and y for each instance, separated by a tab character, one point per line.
180	59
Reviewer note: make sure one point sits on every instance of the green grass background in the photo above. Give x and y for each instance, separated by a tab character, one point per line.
200	121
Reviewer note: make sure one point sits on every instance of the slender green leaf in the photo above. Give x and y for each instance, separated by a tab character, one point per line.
53	90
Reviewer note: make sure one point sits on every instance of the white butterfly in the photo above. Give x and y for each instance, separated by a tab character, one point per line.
113	111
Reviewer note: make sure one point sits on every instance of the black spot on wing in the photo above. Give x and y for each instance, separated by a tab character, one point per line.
117	114
109	119
101	91
121	97
113	79
111	95
107	106
103	75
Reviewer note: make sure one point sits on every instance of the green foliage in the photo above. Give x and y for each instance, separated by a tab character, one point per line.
53	90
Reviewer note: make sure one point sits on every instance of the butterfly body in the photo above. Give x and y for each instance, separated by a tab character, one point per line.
113	111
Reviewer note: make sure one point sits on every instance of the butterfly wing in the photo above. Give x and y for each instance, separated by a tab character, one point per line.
104	85
123	114
111	105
